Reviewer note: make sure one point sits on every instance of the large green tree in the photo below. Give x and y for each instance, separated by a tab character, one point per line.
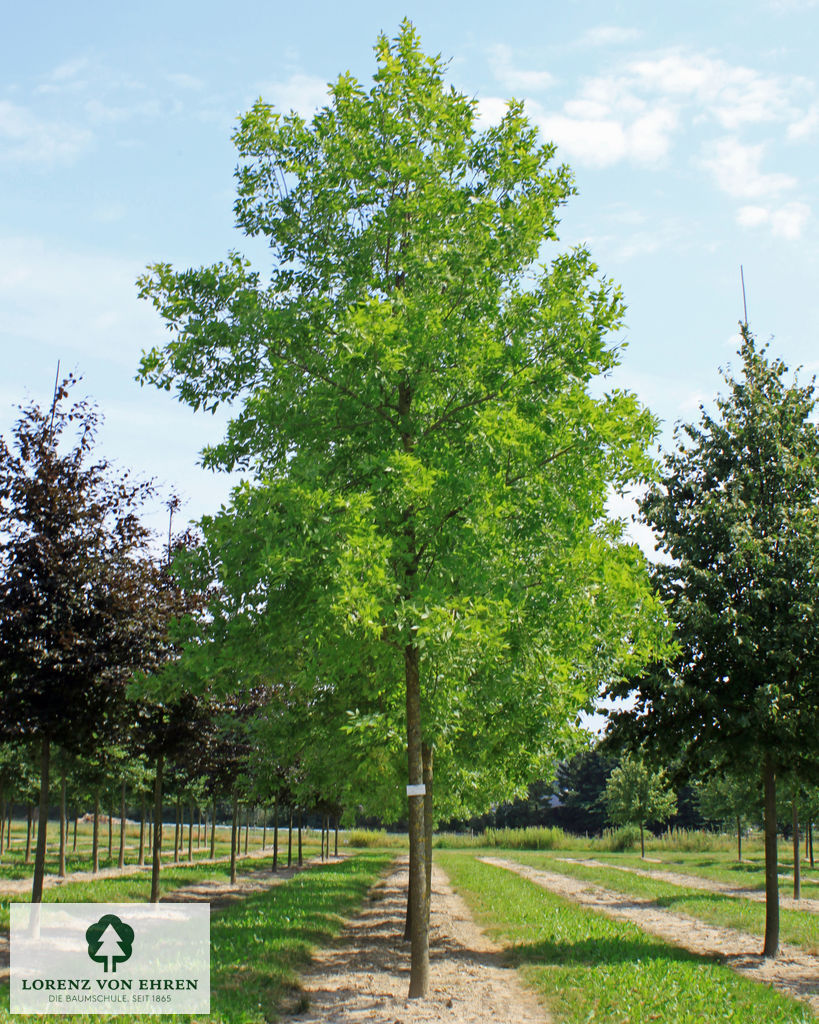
410	382
737	513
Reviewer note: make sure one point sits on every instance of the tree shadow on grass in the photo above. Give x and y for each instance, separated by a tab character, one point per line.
597	951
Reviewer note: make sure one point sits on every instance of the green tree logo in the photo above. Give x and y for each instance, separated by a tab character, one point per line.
110	941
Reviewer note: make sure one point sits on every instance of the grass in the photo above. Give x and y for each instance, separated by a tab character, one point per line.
798	927
259	943
587	968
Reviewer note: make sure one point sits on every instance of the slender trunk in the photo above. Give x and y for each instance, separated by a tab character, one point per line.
28	833
95	840
642	842
213	829
810	838
336	844
275	865
121	857
190	836
322	837
771	875
74	844
156	847
301	861
42	829
63	825
176	831
739	839
427	757
247	826
233	828
419	931
110	830
2	820
290	836
264	830
142	821
797	861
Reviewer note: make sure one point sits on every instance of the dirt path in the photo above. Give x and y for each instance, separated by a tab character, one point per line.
364	978
794	972
698	882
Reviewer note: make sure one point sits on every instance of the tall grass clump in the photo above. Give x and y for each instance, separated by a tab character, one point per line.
365	838
507	838
686	840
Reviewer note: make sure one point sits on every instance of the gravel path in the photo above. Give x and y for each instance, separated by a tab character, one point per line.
794	972
364	978
698	882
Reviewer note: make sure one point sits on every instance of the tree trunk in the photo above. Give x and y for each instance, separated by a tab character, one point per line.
264	830
419	931
301	861
2	820
427	757
642	842
335	853
30	813
74	845
797	861
121	857
176	831
233	827
247	826
190	836
156	847
739	839
771	875
95	841
142	821
63	825
810	841
275	865
42	829
213	829
290	836
110	830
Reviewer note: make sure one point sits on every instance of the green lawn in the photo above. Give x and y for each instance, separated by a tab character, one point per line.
587	968
799	927
260	943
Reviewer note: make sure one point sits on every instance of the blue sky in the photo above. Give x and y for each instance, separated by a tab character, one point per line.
692	131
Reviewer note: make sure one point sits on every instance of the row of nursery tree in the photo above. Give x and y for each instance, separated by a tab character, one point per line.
419	573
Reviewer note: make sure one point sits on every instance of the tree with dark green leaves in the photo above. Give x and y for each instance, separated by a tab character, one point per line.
731	798
636	794
73	570
410	382
737	514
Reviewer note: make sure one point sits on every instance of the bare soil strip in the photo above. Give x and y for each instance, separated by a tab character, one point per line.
698	882
364	978
793	972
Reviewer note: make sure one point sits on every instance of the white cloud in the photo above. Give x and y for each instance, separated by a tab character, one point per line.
302	93
805	125
490	111
786	221
26	138
735	168
601	141
609	35
516	79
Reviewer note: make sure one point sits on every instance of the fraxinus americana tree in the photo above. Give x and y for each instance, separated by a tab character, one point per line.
410	385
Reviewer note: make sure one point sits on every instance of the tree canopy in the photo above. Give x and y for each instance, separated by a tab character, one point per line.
410	383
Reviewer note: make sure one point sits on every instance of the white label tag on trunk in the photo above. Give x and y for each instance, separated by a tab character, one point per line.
418	790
